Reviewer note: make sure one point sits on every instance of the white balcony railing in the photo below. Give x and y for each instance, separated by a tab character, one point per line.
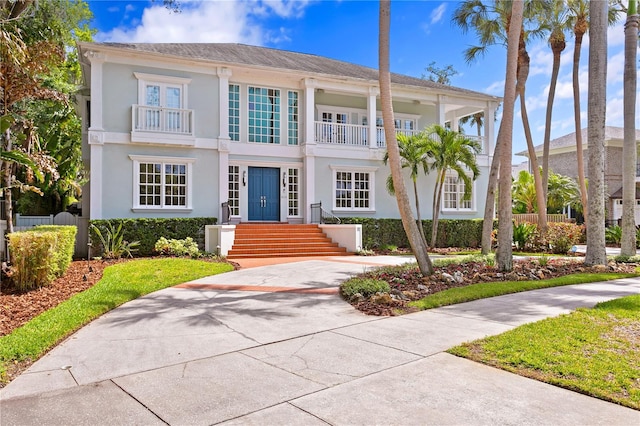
162	120
381	138
341	134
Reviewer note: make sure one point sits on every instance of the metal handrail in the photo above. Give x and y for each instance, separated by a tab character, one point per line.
226	213
320	215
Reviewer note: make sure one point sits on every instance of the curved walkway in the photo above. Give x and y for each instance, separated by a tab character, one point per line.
275	344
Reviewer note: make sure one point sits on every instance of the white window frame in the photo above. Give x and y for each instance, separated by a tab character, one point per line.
460	195
278	124
235	136
188	162
354	169
163	81
234	180
294	186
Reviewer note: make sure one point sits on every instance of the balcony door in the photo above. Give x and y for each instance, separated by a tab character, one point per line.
333	130
163	104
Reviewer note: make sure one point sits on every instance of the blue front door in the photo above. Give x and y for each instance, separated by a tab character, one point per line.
264	195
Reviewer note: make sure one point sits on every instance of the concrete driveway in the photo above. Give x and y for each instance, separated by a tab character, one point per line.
276	345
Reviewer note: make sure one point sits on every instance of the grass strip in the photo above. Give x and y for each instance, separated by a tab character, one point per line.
592	351
491	289
120	283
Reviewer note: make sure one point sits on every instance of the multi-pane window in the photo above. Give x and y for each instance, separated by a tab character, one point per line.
264	115
234	112
161	105
161	183
453	194
293	189
234	190
292	99
353	190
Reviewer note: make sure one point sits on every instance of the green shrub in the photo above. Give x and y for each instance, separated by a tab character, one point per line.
522	234
378	233
173	247
364	286
40	255
65	245
148	230
613	235
112	241
562	236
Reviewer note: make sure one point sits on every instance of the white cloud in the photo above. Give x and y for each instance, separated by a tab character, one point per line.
129	8
113	9
438	13
208	21
496	88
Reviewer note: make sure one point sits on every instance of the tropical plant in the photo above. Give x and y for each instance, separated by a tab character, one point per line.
563	191
173	247
522	233
450	150
523	193
613	234
629	148
476	120
414	154
411	229
112	240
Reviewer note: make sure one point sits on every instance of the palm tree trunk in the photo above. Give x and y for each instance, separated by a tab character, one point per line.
418	218
504	255
6	180
629	148
436	207
490	202
597	108
547	127
408	222
582	183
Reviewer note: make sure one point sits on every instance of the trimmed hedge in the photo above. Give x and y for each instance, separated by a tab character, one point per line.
40	255
451	232
149	230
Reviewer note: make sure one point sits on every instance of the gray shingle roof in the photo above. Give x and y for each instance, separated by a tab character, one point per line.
241	54
618	194
610	133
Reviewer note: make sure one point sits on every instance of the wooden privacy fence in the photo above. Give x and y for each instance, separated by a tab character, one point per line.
533	218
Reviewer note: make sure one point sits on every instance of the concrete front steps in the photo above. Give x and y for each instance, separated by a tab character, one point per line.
282	240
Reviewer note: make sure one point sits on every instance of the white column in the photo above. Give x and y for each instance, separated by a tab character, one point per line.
96	170
223	101
454	122
489	129
223	178
440	111
309	181
371	117
96	59
309	85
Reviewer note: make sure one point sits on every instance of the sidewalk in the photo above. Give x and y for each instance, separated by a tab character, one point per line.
276	345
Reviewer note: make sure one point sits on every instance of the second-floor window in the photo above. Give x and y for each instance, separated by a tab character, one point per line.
162	104
234	112
264	115
293	117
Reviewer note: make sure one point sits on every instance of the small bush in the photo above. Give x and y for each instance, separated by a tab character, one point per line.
173	247
65	245
622	258
562	236
522	234
114	246
364	286
613	235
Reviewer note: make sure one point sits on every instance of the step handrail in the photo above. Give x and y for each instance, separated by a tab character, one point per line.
320	215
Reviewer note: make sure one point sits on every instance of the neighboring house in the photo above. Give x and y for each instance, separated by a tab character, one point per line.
563	160
175	130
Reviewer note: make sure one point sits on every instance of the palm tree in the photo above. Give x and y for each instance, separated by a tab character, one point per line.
450	150
563	192
504	254
523	193
413	156
491	25
409	224
597	107
629	148
555	19
476	120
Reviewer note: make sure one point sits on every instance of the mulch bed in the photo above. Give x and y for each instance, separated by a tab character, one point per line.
411	285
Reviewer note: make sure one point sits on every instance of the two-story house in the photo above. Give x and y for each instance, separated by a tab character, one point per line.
176	130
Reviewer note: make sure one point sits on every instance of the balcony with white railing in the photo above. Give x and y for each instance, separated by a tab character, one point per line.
160	124
351	134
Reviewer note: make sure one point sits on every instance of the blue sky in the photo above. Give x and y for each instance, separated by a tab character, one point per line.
421	32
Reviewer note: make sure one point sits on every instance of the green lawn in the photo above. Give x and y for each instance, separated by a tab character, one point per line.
119	284
592	351
492	289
